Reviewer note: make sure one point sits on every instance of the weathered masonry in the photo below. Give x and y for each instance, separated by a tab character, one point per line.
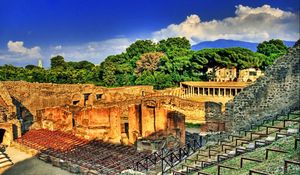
116	115
277	92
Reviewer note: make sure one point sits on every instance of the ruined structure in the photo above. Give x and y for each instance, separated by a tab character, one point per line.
116	115
10	127
276	92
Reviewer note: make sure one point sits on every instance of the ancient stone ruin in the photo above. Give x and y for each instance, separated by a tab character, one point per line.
275	93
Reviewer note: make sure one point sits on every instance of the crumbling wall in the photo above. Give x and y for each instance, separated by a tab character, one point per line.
5	100
276	92
36	96
56	118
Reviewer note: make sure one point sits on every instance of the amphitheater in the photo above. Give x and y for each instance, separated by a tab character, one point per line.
87	129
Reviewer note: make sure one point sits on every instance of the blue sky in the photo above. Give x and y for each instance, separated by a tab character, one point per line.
93	29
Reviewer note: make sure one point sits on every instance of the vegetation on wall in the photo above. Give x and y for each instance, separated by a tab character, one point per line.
163	64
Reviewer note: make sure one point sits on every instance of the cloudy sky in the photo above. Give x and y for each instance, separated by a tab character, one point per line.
92	29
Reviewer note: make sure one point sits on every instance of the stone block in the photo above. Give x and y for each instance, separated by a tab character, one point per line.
73	168
83	170
55	161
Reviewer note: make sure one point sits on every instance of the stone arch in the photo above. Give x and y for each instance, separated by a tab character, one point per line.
6	137
25	113
76	99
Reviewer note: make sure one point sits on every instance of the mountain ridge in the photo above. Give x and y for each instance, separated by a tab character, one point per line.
224	43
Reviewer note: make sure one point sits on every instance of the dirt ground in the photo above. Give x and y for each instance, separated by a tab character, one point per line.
25	164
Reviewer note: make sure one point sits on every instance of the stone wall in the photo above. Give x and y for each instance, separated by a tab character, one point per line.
36	96
117	115
274	93
5	100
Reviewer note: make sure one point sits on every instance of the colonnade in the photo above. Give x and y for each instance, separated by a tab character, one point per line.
211	91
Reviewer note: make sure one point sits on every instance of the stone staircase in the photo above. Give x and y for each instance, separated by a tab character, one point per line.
246	141
5	160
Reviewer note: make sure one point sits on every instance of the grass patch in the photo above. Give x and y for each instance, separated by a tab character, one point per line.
192	125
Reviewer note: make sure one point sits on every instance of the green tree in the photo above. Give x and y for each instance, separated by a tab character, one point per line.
140	47
58	62
273	46
272	49
173	43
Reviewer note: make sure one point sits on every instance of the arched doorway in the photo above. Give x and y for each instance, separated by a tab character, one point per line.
2	132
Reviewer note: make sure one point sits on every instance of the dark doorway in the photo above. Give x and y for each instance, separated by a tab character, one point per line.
2	132
73	121
86	98
15	131
126	128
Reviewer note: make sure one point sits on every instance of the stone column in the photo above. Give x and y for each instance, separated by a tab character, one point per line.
203	91
219	92
208	91
115	123
198	91
134	123
214	90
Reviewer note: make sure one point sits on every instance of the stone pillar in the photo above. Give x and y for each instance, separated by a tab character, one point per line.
134	123
219	92
193	91
160	119
115	123
214	91
236	91
147	120
198	91
230	92
203	91
208	91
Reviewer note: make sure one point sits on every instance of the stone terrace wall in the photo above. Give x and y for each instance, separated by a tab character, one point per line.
36	96
274	93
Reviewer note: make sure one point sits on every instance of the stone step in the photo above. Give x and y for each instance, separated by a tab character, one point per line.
251	146
231	153
270	139
292	131
5	163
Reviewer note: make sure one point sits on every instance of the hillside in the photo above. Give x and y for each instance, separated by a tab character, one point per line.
223	43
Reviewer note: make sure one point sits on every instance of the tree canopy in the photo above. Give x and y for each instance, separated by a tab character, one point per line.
162	64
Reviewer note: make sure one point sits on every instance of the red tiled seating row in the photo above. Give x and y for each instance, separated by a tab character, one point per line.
96	155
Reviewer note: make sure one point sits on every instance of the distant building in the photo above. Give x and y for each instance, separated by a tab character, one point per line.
249	75
223	74
40	63
230	74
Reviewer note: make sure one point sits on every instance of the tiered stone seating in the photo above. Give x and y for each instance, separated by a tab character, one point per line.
236	145
72	153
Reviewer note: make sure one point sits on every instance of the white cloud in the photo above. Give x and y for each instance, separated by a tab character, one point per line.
248	24
19	48
58	47
95	52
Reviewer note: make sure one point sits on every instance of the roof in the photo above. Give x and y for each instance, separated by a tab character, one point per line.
216	84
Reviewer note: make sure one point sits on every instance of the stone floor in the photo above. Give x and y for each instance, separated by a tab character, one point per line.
25	164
